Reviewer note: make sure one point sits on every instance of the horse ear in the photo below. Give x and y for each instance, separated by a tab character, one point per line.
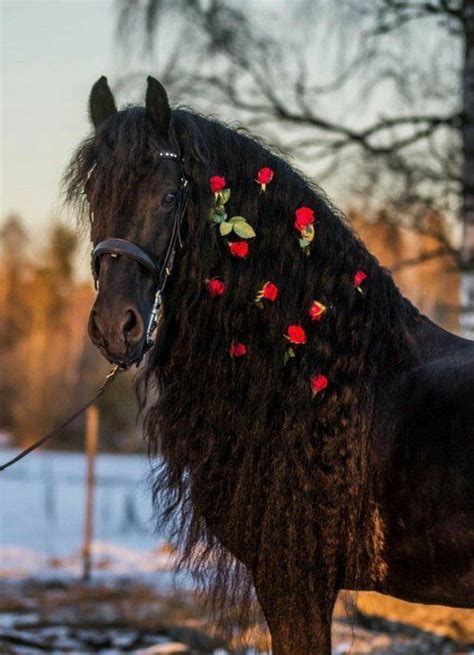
101	102
158	107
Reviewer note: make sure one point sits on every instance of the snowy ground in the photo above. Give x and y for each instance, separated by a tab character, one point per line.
109	616
120	615
42	512
44	606
130	605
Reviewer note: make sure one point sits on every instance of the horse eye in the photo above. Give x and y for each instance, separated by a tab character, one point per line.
169	198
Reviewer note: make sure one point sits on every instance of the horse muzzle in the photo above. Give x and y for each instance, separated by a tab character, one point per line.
118	332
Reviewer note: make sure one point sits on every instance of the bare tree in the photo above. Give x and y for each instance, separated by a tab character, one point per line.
416	160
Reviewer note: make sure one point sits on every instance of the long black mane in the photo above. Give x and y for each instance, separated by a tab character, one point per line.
251	460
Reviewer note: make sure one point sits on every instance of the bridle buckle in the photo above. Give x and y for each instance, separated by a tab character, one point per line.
152	321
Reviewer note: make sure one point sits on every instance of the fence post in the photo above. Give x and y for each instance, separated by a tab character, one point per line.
92	431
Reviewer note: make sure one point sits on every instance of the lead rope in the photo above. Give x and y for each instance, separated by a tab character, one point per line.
39	442
149	340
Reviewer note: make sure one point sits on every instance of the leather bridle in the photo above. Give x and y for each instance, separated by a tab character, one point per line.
159	270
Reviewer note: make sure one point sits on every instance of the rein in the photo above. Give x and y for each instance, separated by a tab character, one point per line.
160	272
39	442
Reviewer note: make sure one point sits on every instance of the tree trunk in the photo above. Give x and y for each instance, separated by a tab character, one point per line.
467	252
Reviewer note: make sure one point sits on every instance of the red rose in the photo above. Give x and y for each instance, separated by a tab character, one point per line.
296	334
217	183
264	175
239	249
359	277
215	287
237	349
319	383
304	217
269	291
316	310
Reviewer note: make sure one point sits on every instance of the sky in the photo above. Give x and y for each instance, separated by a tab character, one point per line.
52	52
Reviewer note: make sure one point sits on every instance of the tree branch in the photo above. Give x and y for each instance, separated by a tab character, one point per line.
420	259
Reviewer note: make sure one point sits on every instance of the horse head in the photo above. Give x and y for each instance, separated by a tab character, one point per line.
136	195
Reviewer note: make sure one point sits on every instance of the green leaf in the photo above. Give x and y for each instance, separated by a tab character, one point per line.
244	230
219	209
216	218
289	354
304	243
225	228
237	219
224	195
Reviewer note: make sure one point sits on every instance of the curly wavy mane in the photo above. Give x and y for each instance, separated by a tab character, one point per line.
251	462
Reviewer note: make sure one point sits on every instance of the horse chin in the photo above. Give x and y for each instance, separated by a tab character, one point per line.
125	361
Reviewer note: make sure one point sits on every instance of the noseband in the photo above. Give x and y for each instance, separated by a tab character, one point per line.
159	270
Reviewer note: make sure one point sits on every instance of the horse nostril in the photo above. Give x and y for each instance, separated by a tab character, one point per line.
95	331
130	321
132	325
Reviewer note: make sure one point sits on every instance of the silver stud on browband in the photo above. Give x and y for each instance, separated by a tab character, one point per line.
171	155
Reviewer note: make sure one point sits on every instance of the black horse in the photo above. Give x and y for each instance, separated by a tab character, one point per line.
315	431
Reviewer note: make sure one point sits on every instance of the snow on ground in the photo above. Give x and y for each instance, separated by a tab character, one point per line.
42	514
131	605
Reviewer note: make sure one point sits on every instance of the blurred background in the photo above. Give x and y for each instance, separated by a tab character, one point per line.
372	99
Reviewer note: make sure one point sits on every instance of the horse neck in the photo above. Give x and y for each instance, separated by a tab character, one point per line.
381	313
